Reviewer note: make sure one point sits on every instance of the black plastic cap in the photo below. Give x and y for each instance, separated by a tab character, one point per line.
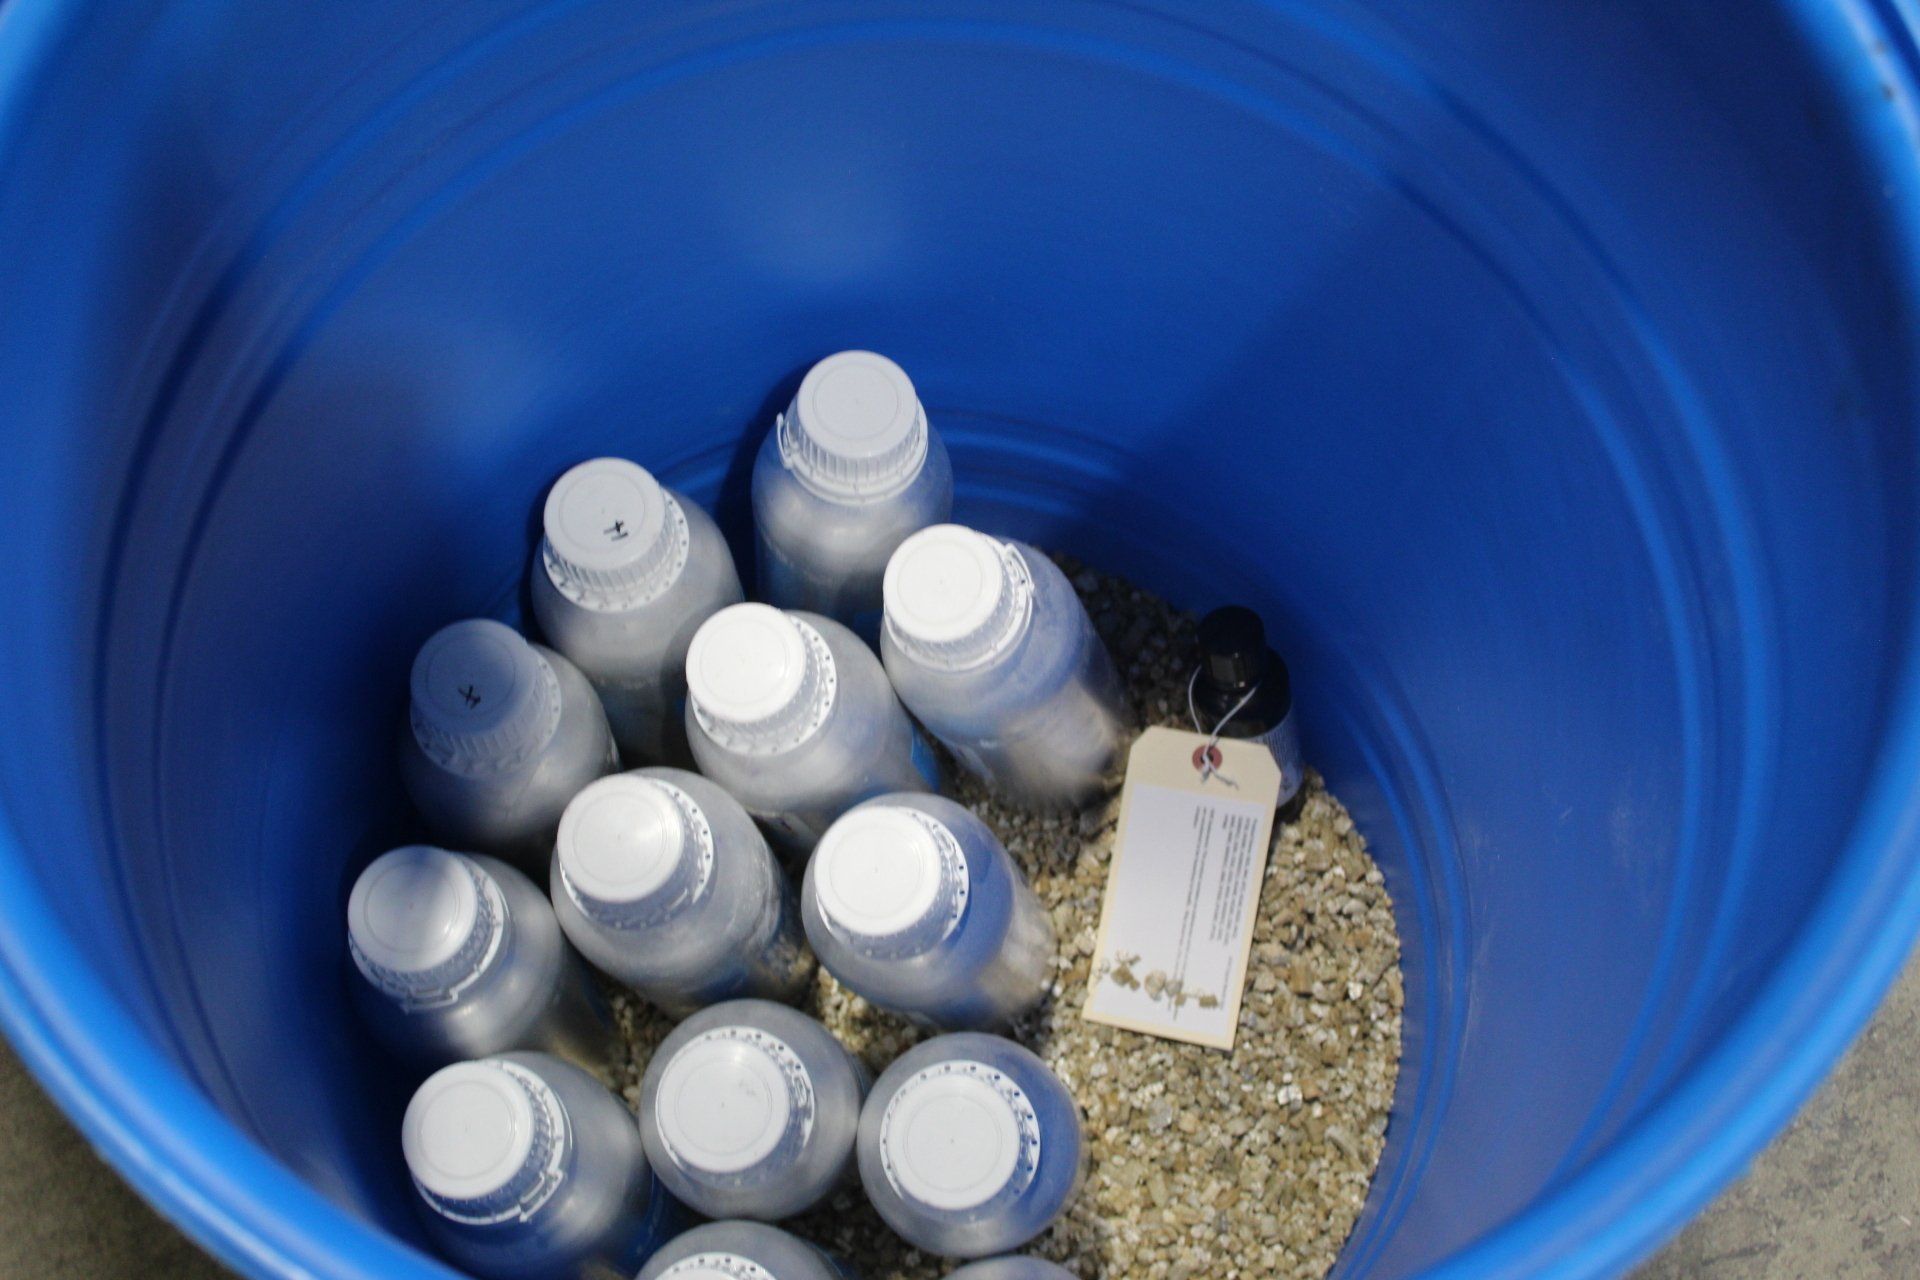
1233	646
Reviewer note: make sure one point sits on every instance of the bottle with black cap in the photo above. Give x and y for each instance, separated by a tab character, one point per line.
1242	690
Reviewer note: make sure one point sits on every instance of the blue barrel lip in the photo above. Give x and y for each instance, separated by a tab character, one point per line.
189	1160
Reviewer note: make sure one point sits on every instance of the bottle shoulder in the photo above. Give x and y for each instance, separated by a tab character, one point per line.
1052	651
863	693
1270	701
607	639
788	509
605	1133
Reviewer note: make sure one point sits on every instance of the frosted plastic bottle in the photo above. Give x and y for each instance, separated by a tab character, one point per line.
990	648
845	475
913	903
459	956
661	880
793	715
500	735
969	1146
749	1110
626	574
738	1250
527	1168
1012	1268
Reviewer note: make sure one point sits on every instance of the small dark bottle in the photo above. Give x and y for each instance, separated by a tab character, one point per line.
1235	661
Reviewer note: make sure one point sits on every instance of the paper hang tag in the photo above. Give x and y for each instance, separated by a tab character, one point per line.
1183	887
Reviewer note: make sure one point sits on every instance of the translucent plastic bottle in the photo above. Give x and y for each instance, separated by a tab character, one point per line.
738	1250
845	475
913	903
500	735
1012	1268
990	648
662	880
459	957
969	1146
529	1169
626	574
793	715
749	1110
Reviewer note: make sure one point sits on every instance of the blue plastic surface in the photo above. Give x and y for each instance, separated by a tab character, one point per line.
1545	372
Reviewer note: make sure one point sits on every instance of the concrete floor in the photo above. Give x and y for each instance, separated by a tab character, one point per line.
1836	1198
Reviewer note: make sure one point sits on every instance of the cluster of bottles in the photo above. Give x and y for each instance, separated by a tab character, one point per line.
774	745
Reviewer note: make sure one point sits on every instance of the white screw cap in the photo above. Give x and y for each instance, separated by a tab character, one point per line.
716	1266
419	920
626	845
955	598
478	1135
725	1102
953	1136
856	428
613	535
888	874
483	699
757	677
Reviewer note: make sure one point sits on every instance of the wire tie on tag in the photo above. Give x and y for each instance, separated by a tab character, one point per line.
1207	769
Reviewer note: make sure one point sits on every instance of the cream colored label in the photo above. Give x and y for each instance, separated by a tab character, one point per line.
1183	887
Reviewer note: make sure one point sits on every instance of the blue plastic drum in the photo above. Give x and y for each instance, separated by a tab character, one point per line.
1545	372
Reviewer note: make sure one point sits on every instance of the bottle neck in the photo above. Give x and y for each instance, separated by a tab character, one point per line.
849	481
1233	652
485	702
1265	687
618	586
521	1193
733	1099
916	620
442	983
795	721
891	882
958	1136
855	432
634	852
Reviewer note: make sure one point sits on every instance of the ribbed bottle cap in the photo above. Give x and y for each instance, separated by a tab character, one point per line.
484	1140
717	1266
423	923
1233	646
483	700
759	680
633	850
958	1134
614	537
890	878
730	1098
856	429
955	598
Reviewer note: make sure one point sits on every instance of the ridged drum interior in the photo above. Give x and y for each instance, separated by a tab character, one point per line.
1543	372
